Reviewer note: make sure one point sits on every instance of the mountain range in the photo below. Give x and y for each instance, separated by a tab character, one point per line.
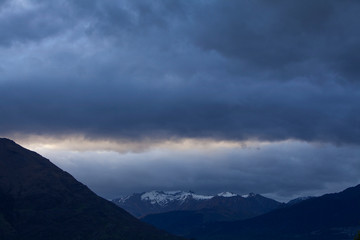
224	206
229	216
40	201
332	217
181	212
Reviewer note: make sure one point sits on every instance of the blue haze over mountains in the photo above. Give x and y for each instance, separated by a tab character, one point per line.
231	216
40	201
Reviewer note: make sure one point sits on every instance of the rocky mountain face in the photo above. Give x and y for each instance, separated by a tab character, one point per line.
40	201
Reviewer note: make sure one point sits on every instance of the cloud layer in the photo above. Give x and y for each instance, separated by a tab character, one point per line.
174	69
145	75
282	170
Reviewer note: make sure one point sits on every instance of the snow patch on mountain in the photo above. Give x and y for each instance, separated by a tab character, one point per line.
201	197
227	194
124	199
249	195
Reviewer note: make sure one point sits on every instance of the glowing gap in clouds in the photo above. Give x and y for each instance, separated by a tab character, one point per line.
282	170
80	143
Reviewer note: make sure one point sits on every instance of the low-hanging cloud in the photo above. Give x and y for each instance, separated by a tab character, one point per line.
282	170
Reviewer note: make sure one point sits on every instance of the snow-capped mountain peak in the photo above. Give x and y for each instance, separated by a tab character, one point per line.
154	202
164	197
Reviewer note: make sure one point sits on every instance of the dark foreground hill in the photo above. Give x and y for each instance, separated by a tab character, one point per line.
40	201
330	217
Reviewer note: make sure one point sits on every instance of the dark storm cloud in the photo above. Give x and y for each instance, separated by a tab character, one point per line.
285	38
20	23
268	112
170	69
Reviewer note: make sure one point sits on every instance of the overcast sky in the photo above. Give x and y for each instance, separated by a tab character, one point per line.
134	95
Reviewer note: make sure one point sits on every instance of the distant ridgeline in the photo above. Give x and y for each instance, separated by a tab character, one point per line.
226	205
229	216
181	212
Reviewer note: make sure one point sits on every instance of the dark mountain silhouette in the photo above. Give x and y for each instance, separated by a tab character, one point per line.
331	217
40	201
